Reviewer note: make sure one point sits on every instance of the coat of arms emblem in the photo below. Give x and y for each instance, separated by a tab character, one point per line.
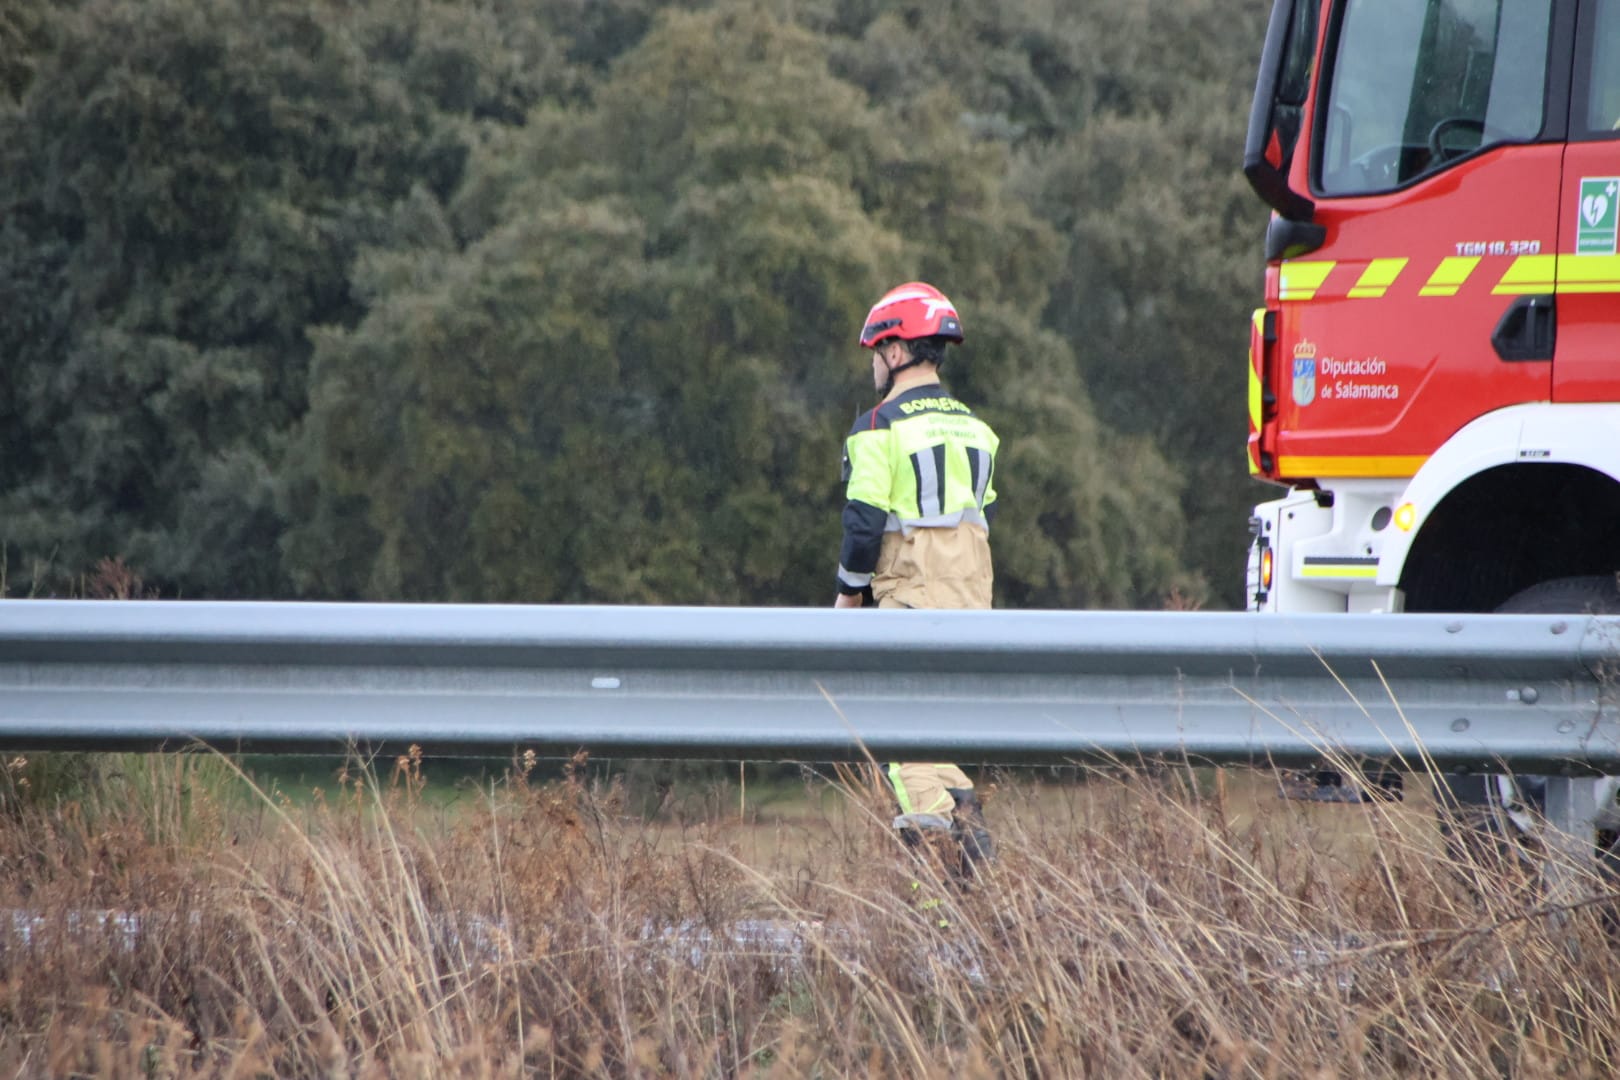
1304	373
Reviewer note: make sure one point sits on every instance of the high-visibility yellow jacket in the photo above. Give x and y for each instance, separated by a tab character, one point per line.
919	461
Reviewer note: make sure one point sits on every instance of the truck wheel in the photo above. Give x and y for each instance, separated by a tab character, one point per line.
1595	595
1494	816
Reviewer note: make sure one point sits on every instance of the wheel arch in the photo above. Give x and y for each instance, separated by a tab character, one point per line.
1510	527
1518	496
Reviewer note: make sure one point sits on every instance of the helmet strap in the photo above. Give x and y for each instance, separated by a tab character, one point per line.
888	384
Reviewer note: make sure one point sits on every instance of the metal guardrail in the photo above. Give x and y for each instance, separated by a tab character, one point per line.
1472	691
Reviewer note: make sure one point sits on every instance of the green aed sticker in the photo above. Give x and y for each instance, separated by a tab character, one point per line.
1598	213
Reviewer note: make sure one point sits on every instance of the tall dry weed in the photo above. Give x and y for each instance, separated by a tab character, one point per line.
1142	922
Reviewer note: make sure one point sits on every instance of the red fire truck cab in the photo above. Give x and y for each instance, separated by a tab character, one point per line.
1435	375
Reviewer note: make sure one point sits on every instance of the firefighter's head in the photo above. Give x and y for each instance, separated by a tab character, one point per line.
909	327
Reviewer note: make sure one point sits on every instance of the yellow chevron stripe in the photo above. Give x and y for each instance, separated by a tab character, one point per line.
1525	275
1528	274
1300	280
1588	273
1377	278
1449	276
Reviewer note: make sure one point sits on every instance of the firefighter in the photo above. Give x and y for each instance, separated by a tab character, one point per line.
919	473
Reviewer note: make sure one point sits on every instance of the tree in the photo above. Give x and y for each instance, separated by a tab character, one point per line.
1126	121
185	186
695	246
1163	265
338	298
24	39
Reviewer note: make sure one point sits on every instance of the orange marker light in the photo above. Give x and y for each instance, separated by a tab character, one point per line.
1266	558
1405	517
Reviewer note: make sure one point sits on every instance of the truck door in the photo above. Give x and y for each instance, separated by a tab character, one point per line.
1587	367
1435	170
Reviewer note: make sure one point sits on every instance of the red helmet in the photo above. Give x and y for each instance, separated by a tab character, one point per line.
910	311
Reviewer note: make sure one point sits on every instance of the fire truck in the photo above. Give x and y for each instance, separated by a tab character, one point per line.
1435	375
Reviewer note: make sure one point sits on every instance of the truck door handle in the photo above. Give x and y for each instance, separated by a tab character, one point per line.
1527	330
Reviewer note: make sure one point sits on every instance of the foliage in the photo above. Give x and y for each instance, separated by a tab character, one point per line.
1162	262
24	38
186	185
1141	923
497	300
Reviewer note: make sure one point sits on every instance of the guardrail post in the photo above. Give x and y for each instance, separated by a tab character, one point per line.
1571	814
1572	805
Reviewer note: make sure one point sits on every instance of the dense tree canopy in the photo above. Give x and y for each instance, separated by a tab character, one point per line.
555	301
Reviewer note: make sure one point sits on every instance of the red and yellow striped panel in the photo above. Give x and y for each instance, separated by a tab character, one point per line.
1309	279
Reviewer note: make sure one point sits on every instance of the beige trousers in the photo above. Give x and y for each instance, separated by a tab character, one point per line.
934	568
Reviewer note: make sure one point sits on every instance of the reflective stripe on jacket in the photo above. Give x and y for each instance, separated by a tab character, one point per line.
920	460
924	787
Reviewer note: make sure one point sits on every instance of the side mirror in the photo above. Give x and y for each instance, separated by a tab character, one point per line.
1280	90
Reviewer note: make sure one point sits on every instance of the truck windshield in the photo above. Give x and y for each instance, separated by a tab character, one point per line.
1417	84
1603	108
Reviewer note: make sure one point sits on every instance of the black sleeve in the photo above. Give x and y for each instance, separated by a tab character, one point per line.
863	541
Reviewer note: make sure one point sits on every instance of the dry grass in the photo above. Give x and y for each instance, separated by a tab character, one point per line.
1144	923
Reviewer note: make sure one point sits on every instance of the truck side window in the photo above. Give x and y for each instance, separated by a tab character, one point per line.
1418	84
1603	106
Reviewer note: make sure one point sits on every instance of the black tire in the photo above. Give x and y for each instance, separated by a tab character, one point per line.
1594	595
1477	811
